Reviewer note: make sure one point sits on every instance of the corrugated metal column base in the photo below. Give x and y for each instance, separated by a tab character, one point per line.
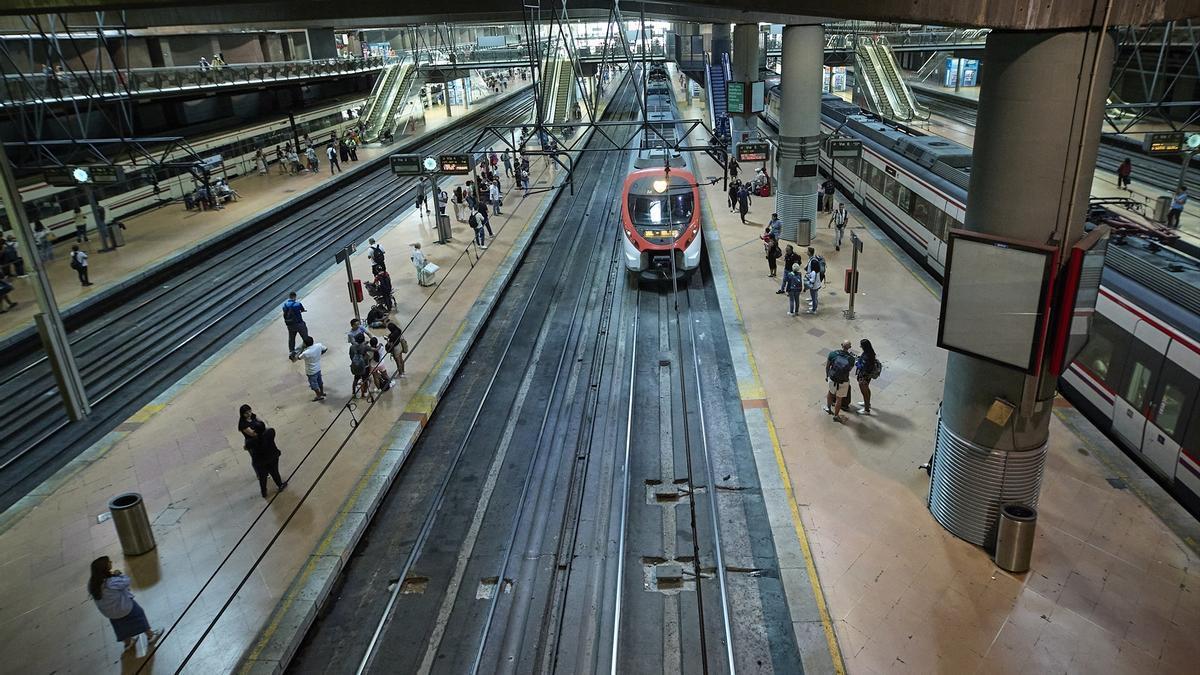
793	208
971	482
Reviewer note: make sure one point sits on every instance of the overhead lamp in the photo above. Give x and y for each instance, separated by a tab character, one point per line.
660	186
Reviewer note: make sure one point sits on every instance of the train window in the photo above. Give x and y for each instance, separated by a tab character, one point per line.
903	198
1143	364
924	213
876	177
1191	435
889	188
1103	355
1175	395
850	163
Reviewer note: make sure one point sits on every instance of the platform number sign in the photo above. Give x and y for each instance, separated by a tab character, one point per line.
406	165
755	151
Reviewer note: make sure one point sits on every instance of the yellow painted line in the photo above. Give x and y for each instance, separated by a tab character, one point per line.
147	411
751	391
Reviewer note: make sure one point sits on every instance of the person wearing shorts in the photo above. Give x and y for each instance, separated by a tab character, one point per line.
312	366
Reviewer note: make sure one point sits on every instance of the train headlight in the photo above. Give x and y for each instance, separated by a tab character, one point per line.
660	186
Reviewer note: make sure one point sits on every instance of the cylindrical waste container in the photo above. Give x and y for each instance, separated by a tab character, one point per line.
1161	206
1014	539
133	525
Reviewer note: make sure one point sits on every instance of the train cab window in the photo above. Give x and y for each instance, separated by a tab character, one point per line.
1103	355
1176	392
652	209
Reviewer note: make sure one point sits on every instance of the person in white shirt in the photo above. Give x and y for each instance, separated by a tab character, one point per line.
494	196
419	261
312	366
812	281
331	153
839	220
79	263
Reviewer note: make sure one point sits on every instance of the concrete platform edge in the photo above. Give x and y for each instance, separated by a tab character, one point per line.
278	641
811	621
238	228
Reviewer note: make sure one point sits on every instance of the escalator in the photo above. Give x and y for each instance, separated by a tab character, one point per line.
900	90
562	92
373	110
870	85
401	95
718	103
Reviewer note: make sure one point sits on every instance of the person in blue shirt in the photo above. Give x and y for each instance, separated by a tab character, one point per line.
1177	204
293	318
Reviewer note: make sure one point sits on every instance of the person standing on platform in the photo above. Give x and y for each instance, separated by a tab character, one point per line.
812	281
827	190
331	153
476	223
293	318
356	329
420	202
360	365
743	202
494	196
1124	173
110	591
352	148
259	441
793	284
376	254
397	346
868	367
260	161
839	220
424	271
838	365
281	161
1177	203
11	261
310	154
312	366
508	165
776	227
771	249
41	237
790	258
79	263
80	222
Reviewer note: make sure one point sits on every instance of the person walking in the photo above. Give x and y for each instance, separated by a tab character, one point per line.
109	589
421	202
397	346
743	202
79	263
80	222
1124	173
839	219
293	318
827	190
734	167
776	226
771	249
733	195
838	365
1177	203
790	258
312	366
259	441
793	283
866	368
487	222
332	153
813	282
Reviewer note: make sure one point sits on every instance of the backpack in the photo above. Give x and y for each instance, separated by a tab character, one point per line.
75	264
358	364
840	365
876	370
793	282
377	254
291	314
820	266
473	221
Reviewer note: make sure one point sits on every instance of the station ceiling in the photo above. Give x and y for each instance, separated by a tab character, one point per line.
265	14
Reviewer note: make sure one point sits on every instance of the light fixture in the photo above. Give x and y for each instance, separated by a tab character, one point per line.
81	175
660	186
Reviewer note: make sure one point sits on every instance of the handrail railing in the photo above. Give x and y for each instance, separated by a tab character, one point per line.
24	88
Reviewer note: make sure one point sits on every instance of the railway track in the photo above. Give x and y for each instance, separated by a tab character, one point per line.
561	511
152	335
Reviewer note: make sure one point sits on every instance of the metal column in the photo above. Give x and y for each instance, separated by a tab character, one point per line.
800	128
744	68
49	322
1040	113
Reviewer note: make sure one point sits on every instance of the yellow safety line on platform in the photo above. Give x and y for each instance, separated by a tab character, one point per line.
755	390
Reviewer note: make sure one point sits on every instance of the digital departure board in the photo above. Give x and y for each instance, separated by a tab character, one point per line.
406	165
755	151
1164	143
70	176
455	164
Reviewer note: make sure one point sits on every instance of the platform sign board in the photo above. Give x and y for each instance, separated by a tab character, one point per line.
754	151
758	96
735	97
843	148
458	164
996	299
71	176
1164	143
406	165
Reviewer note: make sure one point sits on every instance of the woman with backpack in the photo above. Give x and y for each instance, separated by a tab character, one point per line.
867	367
397	346
773	253
360	365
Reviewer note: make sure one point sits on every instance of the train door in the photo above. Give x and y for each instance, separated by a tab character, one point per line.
1174	394
1132	404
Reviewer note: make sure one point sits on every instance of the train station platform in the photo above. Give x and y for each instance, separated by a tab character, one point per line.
1113	587
225	557
162	233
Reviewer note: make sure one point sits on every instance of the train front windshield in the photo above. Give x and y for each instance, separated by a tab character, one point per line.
651	211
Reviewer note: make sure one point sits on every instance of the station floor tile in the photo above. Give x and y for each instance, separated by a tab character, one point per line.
1111	590
159	233
187	461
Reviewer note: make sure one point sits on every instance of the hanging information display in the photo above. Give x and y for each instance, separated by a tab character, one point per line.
735	97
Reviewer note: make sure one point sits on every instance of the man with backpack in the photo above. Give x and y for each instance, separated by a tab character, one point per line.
839	220
793	283
375	253
838	365
293	318
814	278
79	263
476	222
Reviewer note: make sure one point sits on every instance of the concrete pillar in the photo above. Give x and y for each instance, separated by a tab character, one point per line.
321	43
800	127
1035	152
745	69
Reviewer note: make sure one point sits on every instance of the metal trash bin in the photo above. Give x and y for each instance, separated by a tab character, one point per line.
1014	539
1161	206
133	525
